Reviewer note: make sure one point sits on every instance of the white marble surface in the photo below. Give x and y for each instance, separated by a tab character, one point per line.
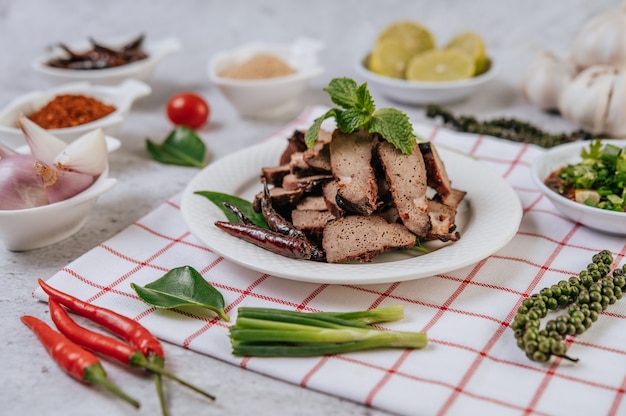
32	384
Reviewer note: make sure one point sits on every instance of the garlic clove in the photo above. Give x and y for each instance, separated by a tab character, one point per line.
44	146
545	79
86	154
615	119
585	101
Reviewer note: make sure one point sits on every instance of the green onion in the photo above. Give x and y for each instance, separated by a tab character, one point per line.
268	332
603	171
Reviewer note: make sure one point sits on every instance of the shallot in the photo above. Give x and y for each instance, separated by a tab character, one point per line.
53	171
20	185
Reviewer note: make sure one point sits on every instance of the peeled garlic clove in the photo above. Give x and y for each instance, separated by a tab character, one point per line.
585	101
545	79
86	154
602	41
44	146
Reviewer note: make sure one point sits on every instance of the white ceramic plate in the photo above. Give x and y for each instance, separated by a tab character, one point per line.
488	219
611	222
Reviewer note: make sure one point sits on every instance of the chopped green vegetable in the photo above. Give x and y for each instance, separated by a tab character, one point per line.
602	173
182	147
182	286
244	206
359	113
267	332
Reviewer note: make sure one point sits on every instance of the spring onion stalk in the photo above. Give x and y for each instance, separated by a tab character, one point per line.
271	332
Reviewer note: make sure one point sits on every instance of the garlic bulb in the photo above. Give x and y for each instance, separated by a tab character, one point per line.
545	78
596	100
602	41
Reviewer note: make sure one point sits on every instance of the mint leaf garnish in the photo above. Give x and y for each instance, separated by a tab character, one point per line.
395	127
359	112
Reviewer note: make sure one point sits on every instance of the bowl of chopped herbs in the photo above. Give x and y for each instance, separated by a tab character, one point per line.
586	181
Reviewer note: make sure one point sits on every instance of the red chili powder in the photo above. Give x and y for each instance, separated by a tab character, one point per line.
70	110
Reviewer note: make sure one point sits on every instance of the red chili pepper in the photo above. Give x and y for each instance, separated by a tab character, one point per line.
133	332
107	346
76	361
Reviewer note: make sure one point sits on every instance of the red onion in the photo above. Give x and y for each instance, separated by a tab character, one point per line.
60	184
53	172
20	185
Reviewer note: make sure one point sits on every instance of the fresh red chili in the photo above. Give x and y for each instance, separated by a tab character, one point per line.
108	346
132	331
76	361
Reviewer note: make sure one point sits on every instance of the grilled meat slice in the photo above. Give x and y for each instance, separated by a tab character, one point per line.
406	176
351	161
361	238
437	176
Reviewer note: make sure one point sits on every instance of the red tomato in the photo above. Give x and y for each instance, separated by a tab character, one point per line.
188	109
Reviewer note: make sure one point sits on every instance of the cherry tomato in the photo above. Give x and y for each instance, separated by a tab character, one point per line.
188	109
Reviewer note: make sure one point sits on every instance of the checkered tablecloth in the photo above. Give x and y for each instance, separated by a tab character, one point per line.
471	365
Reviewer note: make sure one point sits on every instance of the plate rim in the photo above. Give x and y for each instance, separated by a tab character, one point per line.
509	211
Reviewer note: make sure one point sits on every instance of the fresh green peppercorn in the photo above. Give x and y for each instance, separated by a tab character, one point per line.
585	296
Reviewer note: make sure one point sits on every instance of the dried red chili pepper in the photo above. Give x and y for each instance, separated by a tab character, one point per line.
108	346
274	220
76	361
132	331
296	248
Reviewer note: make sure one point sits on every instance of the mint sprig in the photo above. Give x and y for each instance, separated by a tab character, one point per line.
359	112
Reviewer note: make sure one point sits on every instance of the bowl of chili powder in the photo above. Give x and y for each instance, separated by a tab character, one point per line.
71	110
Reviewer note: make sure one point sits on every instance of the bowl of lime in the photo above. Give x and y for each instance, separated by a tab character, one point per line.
406	65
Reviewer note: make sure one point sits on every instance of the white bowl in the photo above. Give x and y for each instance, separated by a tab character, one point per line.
272	97
32	228
121	96
423	93
611	222
140	70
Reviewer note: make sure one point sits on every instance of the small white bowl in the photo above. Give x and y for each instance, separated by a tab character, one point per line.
423	93
611	222
121	96
272	97
140	70
32	228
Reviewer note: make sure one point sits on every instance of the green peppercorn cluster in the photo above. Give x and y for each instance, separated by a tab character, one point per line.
584	297
506	128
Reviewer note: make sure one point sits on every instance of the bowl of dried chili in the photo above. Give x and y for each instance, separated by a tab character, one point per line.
105	61
69	111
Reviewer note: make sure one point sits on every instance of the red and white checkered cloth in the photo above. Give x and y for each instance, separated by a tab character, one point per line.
471	364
